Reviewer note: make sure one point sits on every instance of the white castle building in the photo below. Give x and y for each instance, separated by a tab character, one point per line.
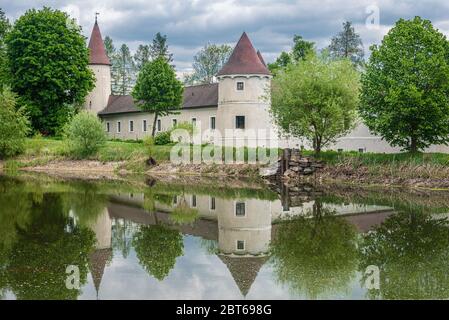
234	111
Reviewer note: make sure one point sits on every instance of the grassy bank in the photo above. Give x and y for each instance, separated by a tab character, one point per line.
418	170
421	170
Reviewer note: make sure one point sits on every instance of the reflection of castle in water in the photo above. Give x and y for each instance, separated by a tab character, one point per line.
242	228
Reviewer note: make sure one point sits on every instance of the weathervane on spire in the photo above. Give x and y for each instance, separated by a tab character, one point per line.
96	16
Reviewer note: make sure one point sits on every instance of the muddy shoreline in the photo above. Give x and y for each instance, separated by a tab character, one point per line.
355	177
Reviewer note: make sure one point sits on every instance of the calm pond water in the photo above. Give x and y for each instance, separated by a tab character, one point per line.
219	240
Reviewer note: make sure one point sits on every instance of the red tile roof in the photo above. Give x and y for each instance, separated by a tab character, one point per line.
261	58
96	46
200	96
244	60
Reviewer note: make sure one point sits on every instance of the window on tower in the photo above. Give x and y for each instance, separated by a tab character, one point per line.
240	86
240	122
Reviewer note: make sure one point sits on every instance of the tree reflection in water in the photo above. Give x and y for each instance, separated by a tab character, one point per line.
157	249
36	266
315	255
412	253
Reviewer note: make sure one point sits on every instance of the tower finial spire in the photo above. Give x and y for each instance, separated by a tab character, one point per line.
96	16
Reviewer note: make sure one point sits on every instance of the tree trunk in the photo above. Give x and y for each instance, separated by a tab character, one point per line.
153	131
317	146
413	144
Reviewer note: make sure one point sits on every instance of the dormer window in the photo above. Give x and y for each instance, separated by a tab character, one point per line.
240	86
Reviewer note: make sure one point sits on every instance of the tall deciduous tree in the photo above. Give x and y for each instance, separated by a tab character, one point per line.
48	60
157	90
159	48
300	50
316	99
111	52
347	44
405	90
207	62
4	28
14	125
142	56
123	71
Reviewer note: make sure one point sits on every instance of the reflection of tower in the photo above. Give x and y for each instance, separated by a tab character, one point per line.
244	226
102	228
244	238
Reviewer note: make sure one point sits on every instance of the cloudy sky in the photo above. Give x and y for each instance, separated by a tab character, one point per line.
271	24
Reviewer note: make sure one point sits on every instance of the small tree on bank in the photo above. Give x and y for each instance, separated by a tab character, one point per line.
85	134
316	99
157	90
14	125
405	90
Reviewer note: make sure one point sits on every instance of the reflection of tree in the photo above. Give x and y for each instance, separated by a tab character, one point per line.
183	213
412	253
38	261
87	203
317	254
122	233
157	248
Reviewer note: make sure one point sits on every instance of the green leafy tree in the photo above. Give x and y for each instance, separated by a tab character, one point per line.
157	249
111	52
48	61
109	47
4	28
124	71
14	125
159	48
348	44
405	89
316	99
411	250
300	50
207	63
157	90
85	134
316	254
142	56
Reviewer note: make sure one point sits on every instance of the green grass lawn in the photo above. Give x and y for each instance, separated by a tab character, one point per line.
370	159
136	150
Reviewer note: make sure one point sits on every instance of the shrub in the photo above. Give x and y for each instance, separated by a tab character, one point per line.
162	138
84	134
14	125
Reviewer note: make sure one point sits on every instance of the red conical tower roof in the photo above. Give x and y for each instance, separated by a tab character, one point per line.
244	60
261	58
96	46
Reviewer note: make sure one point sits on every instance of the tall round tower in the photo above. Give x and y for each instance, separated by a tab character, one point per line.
100	65
244	97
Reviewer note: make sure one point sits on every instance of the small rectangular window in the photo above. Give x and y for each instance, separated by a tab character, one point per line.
212	203
194	122
144	126
240	86
212	123
240	122
361	150
194	201
240	209
159	125
119	126
240	245
174	122
108	127
131	126
175	199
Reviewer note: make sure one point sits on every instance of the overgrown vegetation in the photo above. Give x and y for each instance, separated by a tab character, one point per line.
85	135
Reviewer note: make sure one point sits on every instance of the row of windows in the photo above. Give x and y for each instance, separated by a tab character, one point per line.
239	124
240	207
